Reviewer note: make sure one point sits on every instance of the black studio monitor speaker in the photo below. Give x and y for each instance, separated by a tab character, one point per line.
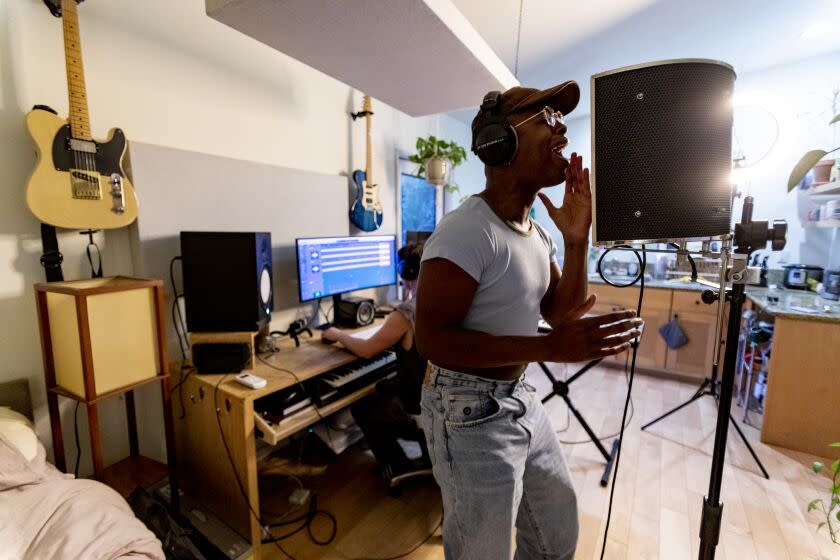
227	280
354	312
662	152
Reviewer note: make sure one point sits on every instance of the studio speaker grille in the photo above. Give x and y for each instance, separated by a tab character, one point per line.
662	152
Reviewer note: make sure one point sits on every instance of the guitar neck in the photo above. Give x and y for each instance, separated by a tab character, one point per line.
369	156
77	92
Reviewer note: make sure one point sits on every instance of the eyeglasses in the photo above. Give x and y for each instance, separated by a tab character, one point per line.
552	117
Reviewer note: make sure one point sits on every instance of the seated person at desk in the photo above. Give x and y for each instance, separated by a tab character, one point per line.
384	415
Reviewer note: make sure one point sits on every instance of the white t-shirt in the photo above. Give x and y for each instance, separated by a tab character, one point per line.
512	268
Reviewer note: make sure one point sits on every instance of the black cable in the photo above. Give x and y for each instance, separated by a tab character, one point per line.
76	433
233	465
177	331
313	511
690	261
635	346
177	320
307	518
638	276
180	387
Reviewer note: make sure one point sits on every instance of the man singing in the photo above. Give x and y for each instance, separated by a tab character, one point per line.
489	272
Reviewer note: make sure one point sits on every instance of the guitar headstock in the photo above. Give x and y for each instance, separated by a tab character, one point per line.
55	6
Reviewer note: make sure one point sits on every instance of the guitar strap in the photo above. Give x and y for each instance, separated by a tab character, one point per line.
52	258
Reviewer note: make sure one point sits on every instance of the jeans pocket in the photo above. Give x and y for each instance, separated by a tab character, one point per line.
428	410
468	410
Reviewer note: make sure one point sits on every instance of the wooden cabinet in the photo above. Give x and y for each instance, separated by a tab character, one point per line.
656	308
659	307
698	321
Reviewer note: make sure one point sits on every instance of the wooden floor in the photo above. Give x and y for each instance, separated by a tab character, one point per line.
663	476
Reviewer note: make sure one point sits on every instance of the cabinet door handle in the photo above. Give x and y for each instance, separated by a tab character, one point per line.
676	316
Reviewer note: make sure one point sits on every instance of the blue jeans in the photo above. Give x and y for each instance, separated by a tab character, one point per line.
498	464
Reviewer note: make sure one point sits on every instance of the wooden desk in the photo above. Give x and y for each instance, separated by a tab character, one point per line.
206	473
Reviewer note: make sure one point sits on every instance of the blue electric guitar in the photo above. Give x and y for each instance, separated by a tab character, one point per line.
366	212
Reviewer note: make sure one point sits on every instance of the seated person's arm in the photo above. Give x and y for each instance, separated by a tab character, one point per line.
444	297
392	331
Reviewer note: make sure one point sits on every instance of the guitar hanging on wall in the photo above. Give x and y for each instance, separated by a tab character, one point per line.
366	212
78	183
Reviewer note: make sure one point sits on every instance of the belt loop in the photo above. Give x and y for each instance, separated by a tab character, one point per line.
433	374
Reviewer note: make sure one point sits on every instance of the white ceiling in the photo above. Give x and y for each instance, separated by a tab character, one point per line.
394	56
562	40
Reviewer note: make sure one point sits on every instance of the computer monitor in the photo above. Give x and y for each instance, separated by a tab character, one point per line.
329	266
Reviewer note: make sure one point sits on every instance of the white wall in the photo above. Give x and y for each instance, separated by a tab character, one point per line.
270	109
799	96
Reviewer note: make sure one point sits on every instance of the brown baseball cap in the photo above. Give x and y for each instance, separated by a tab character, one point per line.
562	97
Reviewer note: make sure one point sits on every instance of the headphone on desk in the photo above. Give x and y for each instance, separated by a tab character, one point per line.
494	139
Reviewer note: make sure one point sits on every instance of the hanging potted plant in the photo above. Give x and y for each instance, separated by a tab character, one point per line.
438	159
814	159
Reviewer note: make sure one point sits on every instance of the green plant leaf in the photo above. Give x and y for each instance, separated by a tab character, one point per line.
835	119
838	515
837	443
817	466
821	525
835	488
805	164
835	466
813	504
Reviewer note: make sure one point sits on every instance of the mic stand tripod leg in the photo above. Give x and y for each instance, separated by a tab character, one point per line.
561	389
749	447
701	391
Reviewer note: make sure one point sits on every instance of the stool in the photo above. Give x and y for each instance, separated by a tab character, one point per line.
760	338
747	322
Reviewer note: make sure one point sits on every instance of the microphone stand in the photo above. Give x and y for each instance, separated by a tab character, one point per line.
749	236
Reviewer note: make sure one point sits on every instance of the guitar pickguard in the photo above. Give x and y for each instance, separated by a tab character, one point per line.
106	160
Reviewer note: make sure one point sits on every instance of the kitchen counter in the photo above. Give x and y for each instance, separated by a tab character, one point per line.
793	304
796	304
651	283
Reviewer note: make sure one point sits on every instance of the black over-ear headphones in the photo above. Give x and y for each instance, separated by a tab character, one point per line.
409	267
494	139
408	262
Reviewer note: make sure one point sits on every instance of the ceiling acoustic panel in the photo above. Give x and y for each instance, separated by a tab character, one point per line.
419	56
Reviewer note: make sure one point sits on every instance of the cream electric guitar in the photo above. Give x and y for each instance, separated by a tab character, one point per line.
78	183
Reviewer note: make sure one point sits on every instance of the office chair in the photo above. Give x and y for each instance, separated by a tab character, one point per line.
395	482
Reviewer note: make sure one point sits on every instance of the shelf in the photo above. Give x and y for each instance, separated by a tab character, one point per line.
274	433
828	223
827	189
126	475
